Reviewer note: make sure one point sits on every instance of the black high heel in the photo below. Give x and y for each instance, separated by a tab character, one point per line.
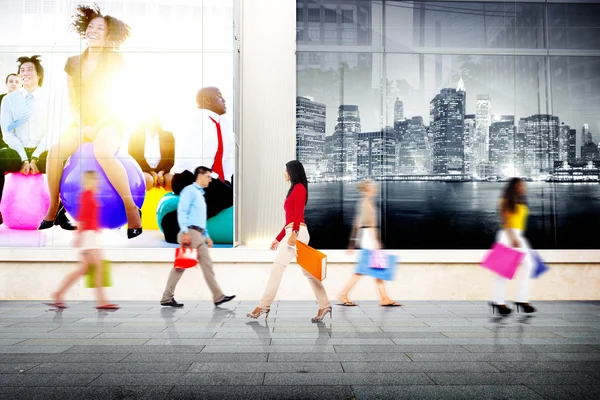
526	307
502	308
135	232
60	219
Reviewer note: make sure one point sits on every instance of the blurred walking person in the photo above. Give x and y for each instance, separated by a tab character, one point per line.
514	213
89	240
365	232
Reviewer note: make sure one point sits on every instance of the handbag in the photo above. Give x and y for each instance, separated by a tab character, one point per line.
377	264
503	260
540	267
185	257
90	275
312	260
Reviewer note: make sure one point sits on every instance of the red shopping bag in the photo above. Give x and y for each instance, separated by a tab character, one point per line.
185	257
503	260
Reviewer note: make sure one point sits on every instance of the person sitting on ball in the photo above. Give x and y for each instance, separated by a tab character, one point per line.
153	149
25	124
92	76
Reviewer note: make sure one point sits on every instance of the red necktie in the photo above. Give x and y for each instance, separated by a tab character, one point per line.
218	164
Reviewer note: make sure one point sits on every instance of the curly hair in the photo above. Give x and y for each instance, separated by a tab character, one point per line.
118	30
37	63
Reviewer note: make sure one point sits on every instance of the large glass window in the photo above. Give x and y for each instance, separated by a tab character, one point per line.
441	102
141	96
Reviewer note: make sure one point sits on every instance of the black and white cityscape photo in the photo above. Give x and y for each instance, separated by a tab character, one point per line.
443	102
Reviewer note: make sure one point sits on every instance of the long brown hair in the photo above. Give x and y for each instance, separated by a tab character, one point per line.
511	197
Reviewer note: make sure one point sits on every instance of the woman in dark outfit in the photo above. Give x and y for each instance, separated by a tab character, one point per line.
95	86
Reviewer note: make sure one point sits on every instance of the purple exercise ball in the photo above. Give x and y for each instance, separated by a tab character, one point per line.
111	207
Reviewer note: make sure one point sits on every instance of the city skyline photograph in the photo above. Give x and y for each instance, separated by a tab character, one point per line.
442	102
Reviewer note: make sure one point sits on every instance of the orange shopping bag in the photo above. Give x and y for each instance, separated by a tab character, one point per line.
313	261
185	257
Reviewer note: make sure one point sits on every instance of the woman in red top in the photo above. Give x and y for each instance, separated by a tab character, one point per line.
88	238
285	244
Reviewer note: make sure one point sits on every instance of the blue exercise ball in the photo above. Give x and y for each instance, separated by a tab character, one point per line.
111	207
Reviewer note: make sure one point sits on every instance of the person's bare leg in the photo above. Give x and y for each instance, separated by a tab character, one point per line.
71	278
343	296
149	181
168	179
106	144
57	155
385	299
95	258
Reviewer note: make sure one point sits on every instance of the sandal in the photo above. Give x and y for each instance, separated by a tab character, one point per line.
394	304
108	307
57	304
347	304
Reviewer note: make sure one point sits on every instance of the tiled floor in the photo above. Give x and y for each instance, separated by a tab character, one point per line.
424	350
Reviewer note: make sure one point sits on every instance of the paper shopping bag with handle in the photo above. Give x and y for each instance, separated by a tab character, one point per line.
377	264
503	260
539	266
313	261
90	275
185	257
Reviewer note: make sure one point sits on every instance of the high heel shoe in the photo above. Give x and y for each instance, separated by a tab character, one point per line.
60	219
321	314
255	314
135	232
502	309
526	307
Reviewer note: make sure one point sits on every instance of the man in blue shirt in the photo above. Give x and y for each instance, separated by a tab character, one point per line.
191	215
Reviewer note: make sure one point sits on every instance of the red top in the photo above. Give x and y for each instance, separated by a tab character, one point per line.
294	209
89	219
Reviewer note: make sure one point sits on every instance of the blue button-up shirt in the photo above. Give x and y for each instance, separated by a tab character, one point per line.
191	210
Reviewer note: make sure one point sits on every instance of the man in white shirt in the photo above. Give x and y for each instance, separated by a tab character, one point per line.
207	140
24	121
13	82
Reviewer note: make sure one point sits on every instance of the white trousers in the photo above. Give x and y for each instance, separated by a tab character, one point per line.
526	269
285	255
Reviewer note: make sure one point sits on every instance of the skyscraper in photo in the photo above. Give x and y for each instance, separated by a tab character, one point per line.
501	155
586	136
446	119
376	154
483	120
398	110
310	134
345	142
572	152
471	144
540	131
564	143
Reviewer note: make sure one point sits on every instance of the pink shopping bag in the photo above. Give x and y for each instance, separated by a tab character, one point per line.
503	260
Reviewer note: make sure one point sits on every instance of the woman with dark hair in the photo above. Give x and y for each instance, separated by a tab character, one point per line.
285	244
514	213
94	83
